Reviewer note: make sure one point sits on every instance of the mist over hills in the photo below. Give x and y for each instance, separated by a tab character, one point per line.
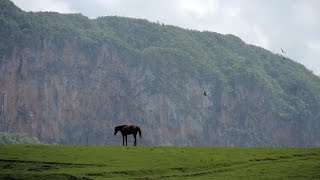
69	79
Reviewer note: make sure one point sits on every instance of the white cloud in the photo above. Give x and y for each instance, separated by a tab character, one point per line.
314	46
46	5
312	55
197	9
306	14
233	11
260	38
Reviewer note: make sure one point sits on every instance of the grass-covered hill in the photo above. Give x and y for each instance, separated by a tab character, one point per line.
69	79
150	162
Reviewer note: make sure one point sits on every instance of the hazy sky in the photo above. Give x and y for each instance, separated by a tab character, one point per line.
293	25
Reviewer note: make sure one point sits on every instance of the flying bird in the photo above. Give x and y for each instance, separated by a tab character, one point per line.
283	51
204	93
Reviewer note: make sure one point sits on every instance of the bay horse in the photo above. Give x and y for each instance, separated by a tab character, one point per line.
127	130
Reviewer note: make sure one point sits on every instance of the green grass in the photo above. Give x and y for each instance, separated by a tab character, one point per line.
117	162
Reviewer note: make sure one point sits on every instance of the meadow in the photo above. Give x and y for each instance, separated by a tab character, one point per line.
156	162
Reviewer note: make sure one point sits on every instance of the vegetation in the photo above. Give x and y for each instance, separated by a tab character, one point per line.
15	138
116	162
224	59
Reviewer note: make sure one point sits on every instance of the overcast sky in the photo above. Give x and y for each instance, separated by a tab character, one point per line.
293	25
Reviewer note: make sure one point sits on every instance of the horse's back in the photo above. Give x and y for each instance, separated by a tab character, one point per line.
129	129
134	126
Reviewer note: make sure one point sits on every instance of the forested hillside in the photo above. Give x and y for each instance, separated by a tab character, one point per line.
65	78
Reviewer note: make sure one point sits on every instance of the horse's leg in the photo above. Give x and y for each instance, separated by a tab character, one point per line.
126	141
122	140
135	139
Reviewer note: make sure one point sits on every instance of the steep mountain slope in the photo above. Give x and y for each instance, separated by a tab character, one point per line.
68	79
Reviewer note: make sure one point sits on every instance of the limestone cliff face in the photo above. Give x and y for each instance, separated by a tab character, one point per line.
64	93
73	85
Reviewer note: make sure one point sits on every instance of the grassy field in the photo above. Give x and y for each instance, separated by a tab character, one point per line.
117	162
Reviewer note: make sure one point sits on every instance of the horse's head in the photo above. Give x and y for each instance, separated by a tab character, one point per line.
116	129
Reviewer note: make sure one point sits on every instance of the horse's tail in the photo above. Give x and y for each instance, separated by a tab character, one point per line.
139	131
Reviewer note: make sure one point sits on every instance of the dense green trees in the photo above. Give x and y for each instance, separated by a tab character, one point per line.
15	138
